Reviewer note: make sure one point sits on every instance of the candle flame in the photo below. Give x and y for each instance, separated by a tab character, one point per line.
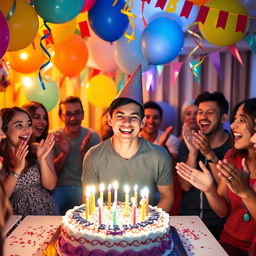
109	187
115	185
102	187
126	189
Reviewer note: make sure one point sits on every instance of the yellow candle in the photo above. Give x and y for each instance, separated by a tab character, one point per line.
93	199
87	203
136	195
126	190
146	199
143	206
109	197
102	187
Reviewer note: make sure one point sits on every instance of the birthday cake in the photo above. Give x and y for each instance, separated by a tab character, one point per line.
120	235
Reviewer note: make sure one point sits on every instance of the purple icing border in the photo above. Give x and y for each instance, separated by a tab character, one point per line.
68	249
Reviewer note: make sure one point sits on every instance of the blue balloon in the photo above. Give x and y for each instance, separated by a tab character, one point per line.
129	55
162	41
58	11
107	21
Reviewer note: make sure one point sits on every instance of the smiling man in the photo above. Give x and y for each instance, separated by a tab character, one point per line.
208	145
72	142
126	157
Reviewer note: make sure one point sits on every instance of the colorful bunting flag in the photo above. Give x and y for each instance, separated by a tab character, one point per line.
233	49
222	19
250	39
195	66
175	70
215	59
186	9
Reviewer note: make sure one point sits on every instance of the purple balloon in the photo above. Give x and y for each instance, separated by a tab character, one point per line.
4	35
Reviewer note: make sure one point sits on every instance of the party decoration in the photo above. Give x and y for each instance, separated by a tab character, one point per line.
27	60
129	55
71	56
199	2
183	12
59	32
196	69
175	70
225	23
215	59
48	97
5	35
169	115
88	4
23	23
234	51
107	21
4	81
162	41
101	53
250	39
101	90
58	11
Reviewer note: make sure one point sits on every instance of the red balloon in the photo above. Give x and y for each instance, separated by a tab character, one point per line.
88	4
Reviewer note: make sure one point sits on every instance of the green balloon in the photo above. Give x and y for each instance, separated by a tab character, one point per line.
48	97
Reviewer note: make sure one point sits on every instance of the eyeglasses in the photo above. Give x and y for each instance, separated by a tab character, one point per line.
70	114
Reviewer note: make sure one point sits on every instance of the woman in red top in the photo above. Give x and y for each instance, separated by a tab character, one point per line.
235	195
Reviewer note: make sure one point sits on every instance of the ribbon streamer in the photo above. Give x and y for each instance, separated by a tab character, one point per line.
126	10
46	52
9	15
194	68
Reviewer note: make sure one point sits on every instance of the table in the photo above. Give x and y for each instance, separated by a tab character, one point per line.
13	220
33	234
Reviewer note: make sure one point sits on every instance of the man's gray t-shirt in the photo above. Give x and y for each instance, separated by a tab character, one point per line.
149	167
72	170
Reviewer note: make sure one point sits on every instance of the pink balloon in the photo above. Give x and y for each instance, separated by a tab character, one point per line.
101	53
88	4
5	35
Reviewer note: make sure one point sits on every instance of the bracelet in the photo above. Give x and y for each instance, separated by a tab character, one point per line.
15	175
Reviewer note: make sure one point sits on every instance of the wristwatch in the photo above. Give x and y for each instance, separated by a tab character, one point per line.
15	175
214	160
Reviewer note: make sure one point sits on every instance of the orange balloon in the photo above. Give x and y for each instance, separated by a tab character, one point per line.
23	23
71	56
29	59
199	2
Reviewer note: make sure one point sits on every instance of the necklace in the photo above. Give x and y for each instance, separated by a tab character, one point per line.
247	216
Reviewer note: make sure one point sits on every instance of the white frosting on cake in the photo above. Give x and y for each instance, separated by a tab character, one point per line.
148	234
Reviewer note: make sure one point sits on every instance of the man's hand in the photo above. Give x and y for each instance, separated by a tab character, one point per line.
201	142
85	143
188	138
62	143
164	137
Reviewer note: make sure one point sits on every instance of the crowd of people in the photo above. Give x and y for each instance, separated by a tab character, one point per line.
206	171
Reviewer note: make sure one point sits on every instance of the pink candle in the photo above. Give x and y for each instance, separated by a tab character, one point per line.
100	211
134	221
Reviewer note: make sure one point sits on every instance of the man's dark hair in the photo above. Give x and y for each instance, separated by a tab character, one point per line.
154	105
218	97
124	101
70	99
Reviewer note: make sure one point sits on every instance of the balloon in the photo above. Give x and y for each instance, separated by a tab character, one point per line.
58	11
71	56
129	55
88	4
34	92
60	32
162	41
151	13
29	59
107	21
101	90
4	32
23	24
101	53
219	36
169	115
199	2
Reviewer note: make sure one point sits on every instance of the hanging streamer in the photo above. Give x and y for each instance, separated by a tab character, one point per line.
47	53
9	15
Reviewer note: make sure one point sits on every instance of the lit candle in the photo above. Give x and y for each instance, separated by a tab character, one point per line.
143	205
109	197
147	199
114	213
126	190
134	211
102	187
136	195
100	203
87	203
115	186
92	199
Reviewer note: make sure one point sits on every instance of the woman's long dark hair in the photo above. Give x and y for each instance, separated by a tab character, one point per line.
31	108
7	115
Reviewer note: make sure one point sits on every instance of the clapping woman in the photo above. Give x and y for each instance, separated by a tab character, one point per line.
235	196
27	177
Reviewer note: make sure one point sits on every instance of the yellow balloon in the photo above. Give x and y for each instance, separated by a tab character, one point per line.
60	32
101	90
219	36
23	23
